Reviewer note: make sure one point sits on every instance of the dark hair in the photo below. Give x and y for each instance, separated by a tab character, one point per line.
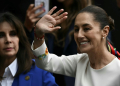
24	55
100	16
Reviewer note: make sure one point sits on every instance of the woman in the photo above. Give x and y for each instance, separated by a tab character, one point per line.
96	66
16	65
62	41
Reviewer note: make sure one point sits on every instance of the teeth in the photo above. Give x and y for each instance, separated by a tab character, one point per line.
83	42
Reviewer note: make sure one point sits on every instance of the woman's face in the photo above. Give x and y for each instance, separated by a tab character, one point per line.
87	33
9	41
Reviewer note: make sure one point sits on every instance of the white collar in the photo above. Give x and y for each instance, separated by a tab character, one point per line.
13	67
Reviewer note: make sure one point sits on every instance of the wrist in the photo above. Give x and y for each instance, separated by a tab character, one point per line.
38	36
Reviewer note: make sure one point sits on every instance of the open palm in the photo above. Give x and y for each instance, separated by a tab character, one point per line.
48	22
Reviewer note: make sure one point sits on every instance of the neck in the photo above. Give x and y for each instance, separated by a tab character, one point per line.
100	58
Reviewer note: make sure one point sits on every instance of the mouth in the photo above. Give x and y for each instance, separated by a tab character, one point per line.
83	43
8	48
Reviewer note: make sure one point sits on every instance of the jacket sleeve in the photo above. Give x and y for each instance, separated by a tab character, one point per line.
65	65
49	79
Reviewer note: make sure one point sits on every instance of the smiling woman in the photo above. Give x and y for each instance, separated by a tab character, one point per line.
87	33
95	66
16	65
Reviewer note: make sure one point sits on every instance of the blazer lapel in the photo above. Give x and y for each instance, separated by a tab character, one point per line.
23	80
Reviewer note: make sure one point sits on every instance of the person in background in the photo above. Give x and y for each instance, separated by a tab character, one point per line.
16	65
21	11
95	66
17	8
30	19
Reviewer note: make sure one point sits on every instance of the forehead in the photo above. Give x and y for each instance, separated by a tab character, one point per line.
5	26
85	18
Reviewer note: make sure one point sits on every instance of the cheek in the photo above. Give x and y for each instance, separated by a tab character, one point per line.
95	35
17	44
75	37
1	44
96	40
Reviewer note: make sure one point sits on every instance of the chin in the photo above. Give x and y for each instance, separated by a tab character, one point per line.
10	55
85	50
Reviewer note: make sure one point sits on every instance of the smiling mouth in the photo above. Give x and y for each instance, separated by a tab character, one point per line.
83	43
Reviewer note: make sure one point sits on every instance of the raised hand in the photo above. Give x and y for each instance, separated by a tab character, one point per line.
31	16
48	22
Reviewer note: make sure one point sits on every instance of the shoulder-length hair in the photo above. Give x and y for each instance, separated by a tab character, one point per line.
24	55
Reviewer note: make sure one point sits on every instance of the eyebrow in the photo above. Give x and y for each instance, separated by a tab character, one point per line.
85	25
82	25
75	26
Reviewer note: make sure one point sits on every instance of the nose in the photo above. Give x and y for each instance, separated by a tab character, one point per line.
80	33
8	39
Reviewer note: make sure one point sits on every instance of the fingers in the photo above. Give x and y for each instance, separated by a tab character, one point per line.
61	16
61	20
51	11
31	12
39	13
35	20
36	8
57	13
52	29
31	9
30	6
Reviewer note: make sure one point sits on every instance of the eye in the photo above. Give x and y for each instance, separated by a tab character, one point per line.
86	29
76	29
2	34
13	33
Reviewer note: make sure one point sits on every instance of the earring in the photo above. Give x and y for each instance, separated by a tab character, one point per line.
103	37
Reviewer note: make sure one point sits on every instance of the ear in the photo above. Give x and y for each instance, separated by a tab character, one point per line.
105	31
